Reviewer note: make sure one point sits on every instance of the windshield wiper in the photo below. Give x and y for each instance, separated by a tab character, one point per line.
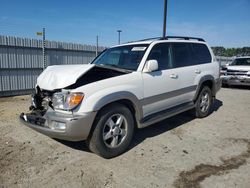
112	65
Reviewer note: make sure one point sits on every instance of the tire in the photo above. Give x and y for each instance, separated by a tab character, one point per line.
112	132
203	103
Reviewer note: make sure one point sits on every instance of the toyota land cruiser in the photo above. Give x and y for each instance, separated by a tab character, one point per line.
128	86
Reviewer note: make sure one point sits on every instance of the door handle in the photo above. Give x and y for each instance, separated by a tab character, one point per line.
197	71
174	76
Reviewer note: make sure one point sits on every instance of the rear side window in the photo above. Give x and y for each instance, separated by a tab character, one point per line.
188	54
201	53
182	54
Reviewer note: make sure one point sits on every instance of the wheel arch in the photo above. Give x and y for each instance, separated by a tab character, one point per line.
209	81
125	98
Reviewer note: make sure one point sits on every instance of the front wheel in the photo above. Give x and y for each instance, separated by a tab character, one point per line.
203	103
113	131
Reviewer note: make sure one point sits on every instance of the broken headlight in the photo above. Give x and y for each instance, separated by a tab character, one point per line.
67	101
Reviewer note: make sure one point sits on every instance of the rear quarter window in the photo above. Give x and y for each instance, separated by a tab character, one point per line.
201	54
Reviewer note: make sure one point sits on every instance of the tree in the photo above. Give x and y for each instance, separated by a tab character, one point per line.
229	52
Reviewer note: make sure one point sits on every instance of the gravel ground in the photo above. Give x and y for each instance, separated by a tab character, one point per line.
178	152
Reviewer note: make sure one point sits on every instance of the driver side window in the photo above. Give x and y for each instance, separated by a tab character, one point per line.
161	52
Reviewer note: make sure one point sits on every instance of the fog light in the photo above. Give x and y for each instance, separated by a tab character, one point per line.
55	125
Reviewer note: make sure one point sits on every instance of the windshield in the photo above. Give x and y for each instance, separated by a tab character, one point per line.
241	61
124	57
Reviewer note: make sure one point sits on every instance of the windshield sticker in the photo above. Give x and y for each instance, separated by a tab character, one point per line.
139	48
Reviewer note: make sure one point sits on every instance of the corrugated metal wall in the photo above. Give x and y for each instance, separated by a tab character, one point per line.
21	61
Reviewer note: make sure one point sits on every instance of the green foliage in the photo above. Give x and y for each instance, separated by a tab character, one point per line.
229	52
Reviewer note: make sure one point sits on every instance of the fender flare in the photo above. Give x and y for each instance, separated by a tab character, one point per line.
202	80
120	95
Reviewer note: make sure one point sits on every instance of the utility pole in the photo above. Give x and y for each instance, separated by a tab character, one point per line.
96	51
119	36
165	18
43	47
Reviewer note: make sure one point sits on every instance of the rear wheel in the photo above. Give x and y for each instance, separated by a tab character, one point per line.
203	103
113	131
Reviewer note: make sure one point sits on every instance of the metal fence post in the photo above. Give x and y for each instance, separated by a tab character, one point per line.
44	46
96	51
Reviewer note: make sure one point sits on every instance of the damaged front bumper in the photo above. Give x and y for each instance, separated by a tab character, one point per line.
59	125
236	80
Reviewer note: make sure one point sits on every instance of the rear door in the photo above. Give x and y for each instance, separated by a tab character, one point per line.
203	62
185	67
191	61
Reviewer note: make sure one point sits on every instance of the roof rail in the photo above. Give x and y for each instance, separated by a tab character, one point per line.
154	38
181	37
168	37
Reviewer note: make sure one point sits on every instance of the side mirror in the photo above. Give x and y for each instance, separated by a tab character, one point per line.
151	66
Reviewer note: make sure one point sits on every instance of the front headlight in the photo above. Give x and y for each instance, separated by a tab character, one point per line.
67	101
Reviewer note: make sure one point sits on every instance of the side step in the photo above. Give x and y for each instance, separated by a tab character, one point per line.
159	116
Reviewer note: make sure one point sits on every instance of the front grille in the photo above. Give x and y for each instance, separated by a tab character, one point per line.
236	72
35	119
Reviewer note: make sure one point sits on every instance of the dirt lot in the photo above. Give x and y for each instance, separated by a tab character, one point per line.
178	152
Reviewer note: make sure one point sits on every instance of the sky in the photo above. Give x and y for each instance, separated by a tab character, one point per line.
220	22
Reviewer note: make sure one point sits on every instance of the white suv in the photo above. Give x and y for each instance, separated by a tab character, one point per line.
129	86
237	73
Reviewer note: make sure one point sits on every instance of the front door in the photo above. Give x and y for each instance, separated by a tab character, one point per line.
171	85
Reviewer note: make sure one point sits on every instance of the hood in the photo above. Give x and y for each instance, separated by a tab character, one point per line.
61	76
239	67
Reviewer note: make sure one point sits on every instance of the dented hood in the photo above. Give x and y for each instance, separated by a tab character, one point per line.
61	76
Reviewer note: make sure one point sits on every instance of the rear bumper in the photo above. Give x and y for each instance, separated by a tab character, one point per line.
236	80
76	127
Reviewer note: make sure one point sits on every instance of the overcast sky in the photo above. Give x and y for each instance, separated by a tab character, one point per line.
220	22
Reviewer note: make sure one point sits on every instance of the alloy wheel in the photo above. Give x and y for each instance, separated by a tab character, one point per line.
115	130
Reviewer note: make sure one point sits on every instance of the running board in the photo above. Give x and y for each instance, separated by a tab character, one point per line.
159	116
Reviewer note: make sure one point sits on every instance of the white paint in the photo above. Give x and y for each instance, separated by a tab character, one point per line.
61	76
139	83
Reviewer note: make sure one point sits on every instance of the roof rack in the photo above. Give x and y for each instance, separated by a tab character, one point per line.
169	37
181	37
154	38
